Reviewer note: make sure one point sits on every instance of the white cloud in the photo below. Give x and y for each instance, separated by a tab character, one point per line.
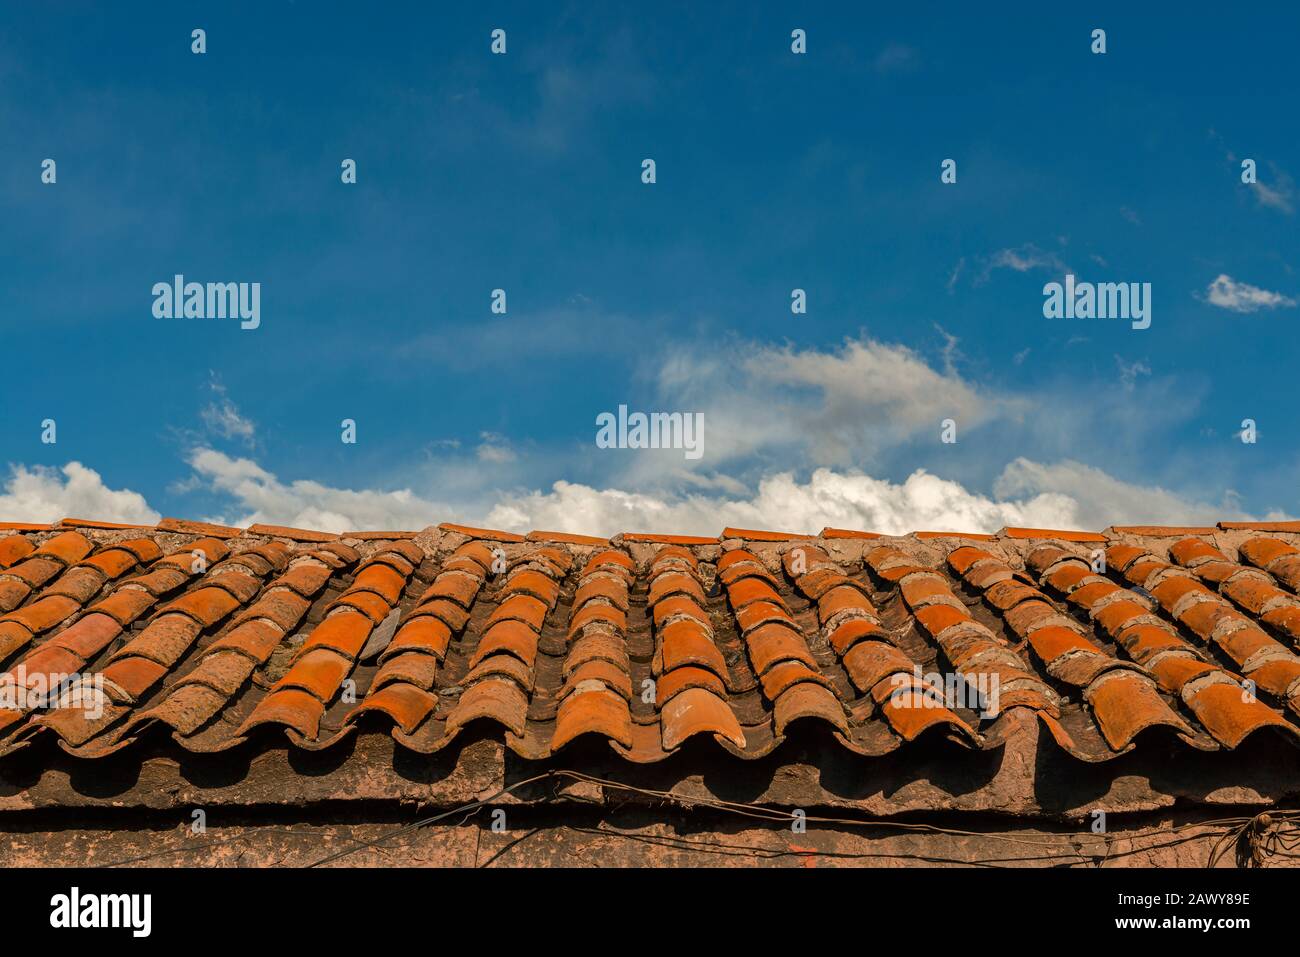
495	449
1100	499
774	413
261	497
824	408
1065	495
44	494
844	500
224	419
1226	293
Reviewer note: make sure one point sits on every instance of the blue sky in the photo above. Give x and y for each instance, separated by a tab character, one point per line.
522	172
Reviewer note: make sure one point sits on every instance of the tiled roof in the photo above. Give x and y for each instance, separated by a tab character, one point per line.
1129	639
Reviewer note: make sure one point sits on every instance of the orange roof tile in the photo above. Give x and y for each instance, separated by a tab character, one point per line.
435	646
1064	536
1162	531
490	534
974	536
89	523
297	534
566	538
1262	526
667	539
756	535
829	532
207	529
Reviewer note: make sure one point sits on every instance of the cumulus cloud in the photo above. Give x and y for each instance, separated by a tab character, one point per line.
1099	499
1064	495
834	407
1226	293
44	494
788	432
846	500
257	495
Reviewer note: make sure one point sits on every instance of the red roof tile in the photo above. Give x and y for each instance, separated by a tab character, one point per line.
377	536
551	644
566	538
1053	534
1162	531
297	534
1262	526
488	534
89	523
185	527
667	539
756	535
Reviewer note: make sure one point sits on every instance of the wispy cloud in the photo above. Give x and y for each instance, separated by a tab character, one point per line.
1129	371
897	58
222	417
1024	258
494	449
1280	195
955	274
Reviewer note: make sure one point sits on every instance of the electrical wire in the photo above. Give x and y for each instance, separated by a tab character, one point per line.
1257	838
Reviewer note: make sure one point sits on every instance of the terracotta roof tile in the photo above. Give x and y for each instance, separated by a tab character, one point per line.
829	532
550	641
373	536
14	548
566	538
90	523
667	539
1049	533
487	534
755	535
296	534
1262	526
1161	531
206	529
